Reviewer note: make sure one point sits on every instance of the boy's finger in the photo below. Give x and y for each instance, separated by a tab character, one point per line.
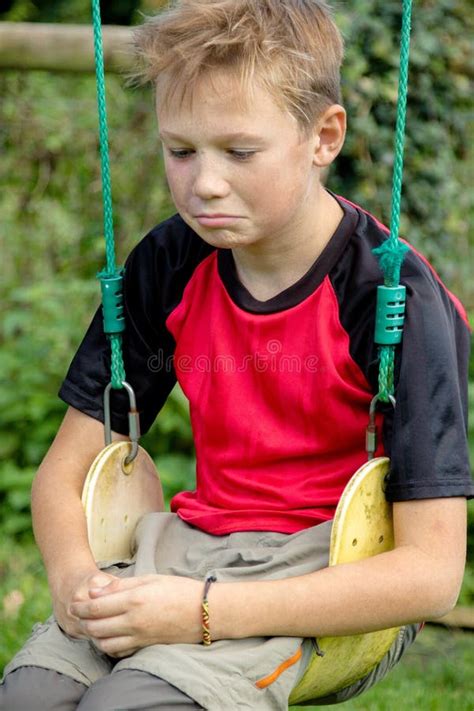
106	606
118	585
101	580
124	654
114	646
108	628
111	587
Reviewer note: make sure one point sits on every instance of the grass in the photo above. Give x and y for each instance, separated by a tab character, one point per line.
436	674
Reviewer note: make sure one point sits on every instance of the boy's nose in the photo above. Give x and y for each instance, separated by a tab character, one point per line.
208	182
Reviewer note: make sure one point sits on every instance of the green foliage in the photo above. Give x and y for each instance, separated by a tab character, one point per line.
436	207
51	212
24	595
113	12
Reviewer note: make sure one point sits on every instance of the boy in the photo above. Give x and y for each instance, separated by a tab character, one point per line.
265	271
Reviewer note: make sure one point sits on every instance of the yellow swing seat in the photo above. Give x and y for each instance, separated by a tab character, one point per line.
362	527
115	496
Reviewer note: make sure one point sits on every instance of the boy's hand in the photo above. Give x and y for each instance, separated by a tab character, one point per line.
132	613
76	589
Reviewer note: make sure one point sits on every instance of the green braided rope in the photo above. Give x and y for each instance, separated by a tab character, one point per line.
392	252
117	366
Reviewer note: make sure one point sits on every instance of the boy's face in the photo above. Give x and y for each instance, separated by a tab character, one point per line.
240	172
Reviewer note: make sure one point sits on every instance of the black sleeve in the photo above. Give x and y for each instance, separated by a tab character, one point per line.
147	347
426	435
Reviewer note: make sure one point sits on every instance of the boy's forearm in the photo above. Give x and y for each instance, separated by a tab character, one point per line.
59	522
420	579
388	590
60	530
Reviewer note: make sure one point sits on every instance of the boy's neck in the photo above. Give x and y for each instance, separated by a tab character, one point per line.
271	266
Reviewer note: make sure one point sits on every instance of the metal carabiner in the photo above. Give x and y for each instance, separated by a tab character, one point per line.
371	431
133	420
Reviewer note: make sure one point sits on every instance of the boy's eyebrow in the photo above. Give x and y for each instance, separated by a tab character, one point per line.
241	135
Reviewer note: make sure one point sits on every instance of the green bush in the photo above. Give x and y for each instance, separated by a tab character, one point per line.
437	208
52	221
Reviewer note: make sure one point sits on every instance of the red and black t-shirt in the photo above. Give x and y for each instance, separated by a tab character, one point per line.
279	390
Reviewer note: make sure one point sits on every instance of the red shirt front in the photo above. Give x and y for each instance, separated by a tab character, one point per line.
278	408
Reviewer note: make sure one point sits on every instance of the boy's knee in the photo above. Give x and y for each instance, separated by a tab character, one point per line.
36	689
133	689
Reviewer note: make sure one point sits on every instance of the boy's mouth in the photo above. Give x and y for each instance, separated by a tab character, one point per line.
217	220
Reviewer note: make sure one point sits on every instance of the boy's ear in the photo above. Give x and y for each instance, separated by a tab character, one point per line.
329	133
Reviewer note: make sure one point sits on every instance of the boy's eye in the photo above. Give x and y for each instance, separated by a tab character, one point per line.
179	154
184	153
242	155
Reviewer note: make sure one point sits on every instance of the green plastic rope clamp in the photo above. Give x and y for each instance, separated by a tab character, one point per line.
390	315
112	302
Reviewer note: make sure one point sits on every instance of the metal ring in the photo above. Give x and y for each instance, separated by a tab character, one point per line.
373	405
133	420
371	431
133	454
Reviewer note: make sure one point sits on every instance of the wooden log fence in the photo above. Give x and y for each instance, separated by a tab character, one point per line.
61	47
69	48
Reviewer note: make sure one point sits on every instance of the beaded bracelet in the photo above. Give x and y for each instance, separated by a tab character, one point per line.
206	632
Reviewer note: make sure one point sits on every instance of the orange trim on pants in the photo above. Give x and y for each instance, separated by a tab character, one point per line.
267	680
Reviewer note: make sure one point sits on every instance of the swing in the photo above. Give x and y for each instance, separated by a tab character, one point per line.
122	484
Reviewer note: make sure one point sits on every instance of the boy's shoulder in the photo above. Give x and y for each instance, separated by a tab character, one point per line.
368	234
362	270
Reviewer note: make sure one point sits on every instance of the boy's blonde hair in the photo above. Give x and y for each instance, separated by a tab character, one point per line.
291	47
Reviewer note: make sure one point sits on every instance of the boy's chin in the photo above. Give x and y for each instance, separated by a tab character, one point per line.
223	238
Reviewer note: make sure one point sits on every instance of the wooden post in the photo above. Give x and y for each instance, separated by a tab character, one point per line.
60	47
